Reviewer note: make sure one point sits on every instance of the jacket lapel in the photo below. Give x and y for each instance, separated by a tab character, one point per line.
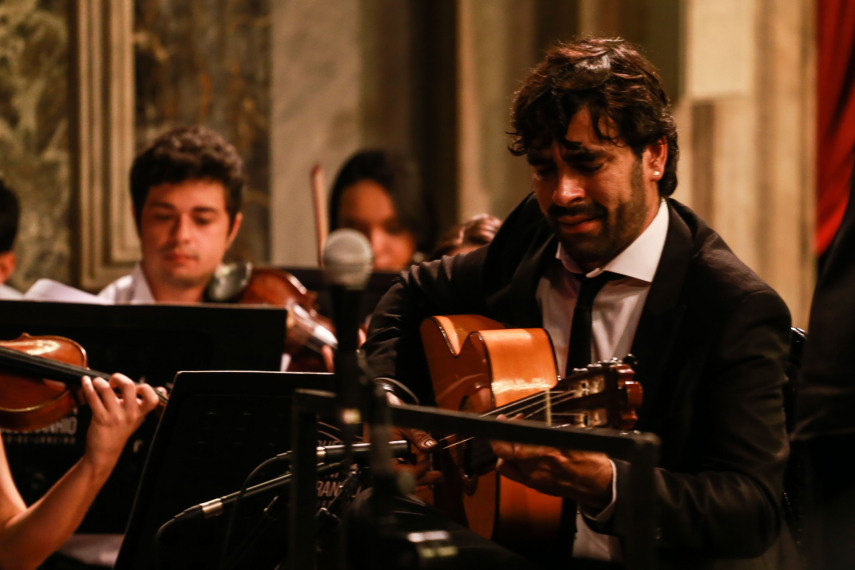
518	298
660	322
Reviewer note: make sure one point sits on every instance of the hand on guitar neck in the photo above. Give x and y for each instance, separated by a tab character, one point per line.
584	476
479	366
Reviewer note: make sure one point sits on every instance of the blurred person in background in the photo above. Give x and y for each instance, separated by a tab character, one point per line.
10	214
379	194
464	237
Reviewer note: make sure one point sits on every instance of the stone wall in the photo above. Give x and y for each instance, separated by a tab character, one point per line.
34	123
205	62
208	62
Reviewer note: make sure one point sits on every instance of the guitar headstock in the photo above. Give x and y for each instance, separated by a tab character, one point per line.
603	394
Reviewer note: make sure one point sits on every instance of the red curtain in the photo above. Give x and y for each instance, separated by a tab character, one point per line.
836	114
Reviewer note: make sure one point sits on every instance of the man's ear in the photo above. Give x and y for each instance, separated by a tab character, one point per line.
7	265
655	158
235	227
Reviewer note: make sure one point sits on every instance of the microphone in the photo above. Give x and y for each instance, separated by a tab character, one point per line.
348	259
328	460
347	266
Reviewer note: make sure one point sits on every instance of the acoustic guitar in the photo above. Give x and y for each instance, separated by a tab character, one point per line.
478	365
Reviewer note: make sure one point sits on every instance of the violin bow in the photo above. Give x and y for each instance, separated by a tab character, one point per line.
319	205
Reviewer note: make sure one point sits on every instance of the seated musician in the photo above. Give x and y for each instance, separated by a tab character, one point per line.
379	194
9	216
187	191
29	534
710	337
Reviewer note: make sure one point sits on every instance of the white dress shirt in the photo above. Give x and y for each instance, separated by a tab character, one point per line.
9	294
129	289
615	315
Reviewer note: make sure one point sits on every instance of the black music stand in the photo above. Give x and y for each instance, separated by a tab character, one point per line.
640	449
216	428
150	342
156	341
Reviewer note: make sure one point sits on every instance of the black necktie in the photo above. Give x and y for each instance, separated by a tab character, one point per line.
579	351
579	356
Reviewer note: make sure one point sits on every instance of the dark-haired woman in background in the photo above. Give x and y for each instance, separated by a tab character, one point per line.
379	194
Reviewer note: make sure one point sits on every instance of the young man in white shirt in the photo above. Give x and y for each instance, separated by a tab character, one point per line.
187	191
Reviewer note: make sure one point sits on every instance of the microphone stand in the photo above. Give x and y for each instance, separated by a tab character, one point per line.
347	267
331	546
216	507
397	547
271	514
328	517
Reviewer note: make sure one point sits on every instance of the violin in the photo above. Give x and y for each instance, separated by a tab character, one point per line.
307	333
41	380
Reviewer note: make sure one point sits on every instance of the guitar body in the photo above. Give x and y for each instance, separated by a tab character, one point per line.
477	365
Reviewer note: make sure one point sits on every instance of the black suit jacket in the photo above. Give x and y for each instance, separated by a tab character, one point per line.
826	391
711	346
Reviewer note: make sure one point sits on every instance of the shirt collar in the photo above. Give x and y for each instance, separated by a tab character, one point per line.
141	292
639	259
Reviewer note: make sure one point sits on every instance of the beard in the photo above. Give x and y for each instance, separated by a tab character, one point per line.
618	227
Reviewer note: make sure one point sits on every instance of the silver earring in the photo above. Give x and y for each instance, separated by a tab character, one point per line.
656	173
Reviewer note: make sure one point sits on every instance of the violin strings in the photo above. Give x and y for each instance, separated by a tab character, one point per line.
38	364
54	369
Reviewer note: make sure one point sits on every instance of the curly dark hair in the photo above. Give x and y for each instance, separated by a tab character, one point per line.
10	213
610	78
188	153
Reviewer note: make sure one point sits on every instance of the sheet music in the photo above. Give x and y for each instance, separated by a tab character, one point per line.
50	290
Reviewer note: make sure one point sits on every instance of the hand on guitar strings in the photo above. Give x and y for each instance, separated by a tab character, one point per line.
584	476
422	470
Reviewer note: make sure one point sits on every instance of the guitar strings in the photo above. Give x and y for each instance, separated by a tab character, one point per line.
519	406
533	404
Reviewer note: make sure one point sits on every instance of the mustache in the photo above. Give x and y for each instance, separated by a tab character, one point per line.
592	210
